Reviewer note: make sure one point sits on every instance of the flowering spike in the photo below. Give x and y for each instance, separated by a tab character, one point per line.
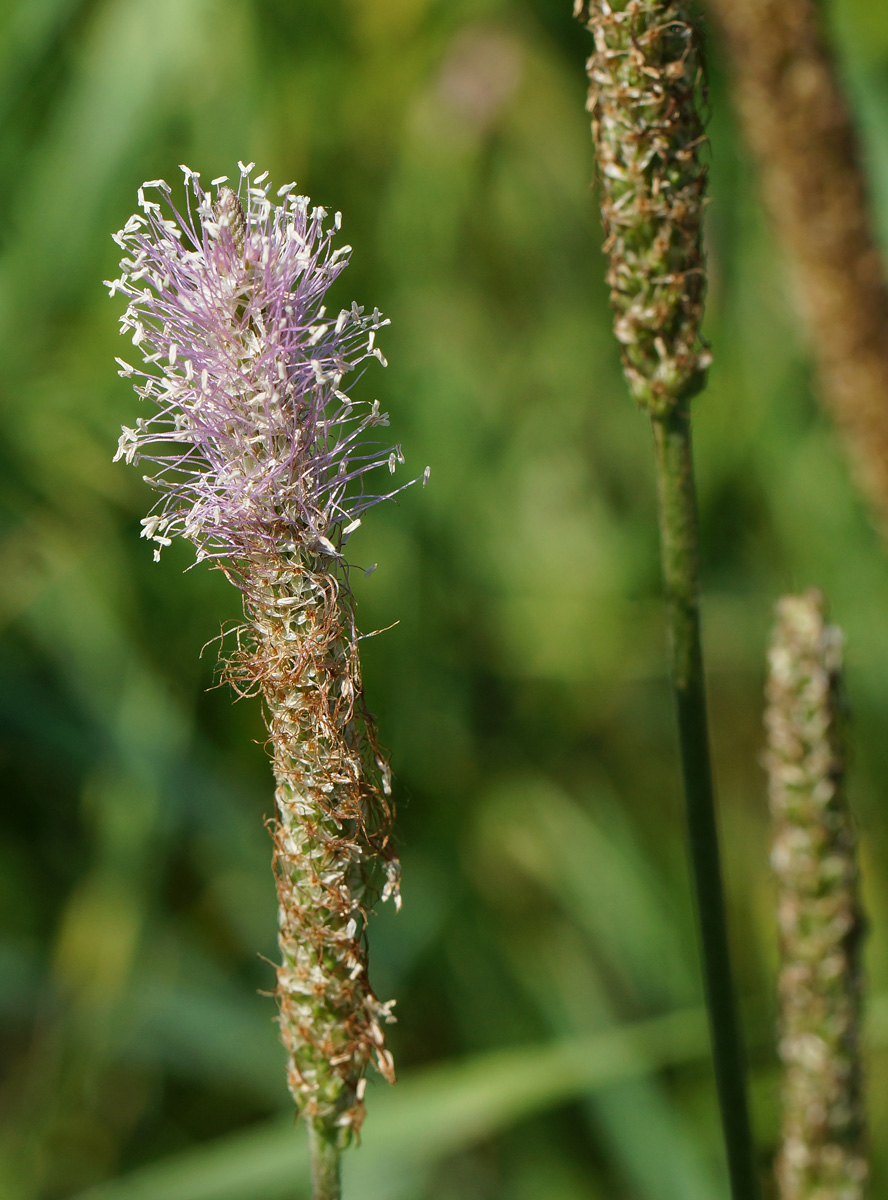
814	857
263	462
644	76
644	82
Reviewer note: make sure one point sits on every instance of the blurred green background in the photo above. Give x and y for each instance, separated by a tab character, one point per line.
550	1039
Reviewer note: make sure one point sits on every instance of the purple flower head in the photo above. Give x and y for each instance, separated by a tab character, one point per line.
258	450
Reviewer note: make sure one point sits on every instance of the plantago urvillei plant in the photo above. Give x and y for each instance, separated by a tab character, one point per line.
262	462
645	79
822	1156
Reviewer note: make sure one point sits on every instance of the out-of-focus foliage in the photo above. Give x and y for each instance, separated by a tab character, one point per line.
522	694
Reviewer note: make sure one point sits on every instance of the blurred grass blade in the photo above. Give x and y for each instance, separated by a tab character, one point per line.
27	39
590	864
131	60
427	1117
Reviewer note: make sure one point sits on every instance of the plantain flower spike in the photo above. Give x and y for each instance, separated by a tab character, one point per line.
265	464
822	1156
644	77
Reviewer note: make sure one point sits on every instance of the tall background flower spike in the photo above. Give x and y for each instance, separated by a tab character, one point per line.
814	857
263	462
645	76
798	120
645	92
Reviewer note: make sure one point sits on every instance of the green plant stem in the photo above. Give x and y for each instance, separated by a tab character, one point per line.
678	540
324	1163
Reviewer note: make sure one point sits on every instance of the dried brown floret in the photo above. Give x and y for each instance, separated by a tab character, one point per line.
644	78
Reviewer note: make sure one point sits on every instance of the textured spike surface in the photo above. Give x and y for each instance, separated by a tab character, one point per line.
645	75
820	923
262	461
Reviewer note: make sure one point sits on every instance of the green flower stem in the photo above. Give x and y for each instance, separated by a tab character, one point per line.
678	539
325	1156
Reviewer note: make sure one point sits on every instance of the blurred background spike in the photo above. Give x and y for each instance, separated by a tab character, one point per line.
814	856
799	123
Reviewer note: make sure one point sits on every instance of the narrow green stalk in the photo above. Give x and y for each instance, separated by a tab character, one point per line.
678	540
325	1156
646	76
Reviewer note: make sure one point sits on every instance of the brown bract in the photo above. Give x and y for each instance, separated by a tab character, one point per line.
644	79
797	121
332	854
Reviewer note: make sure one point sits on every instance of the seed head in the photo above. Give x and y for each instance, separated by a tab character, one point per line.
645	76
820	921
